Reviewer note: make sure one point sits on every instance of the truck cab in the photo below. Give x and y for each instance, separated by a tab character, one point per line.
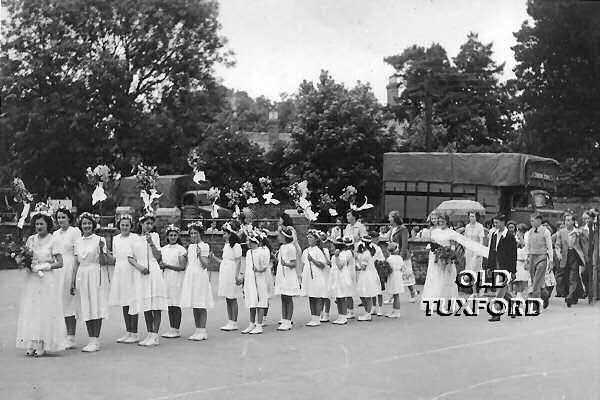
523	204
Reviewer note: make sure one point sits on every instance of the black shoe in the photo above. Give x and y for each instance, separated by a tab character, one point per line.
546	303
494	319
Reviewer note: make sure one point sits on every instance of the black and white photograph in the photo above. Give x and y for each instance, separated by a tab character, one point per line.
299	199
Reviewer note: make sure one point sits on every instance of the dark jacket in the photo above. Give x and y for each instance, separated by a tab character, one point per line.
401	238
506	255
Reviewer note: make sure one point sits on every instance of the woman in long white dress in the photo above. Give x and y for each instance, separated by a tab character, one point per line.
64	239
440	282
149	292
90	281
122	283
474	231
41	326
229	275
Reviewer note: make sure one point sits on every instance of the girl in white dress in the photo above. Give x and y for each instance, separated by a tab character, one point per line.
349	254
90	282
474	231
229	275
395	282
255	283
440	282
520	285
149	292
286	280
314	283
173	264
341	285
368	284
64	239
122	282
40	326
327	247
196	292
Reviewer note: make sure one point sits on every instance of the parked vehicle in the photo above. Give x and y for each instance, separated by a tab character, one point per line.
512	183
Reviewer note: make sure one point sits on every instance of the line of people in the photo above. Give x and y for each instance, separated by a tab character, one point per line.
149	278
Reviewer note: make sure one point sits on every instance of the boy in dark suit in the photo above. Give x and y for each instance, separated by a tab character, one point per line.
502	255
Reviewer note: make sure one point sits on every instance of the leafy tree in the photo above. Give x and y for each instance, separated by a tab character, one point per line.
338	139
85	83
229	159
473	107
558	76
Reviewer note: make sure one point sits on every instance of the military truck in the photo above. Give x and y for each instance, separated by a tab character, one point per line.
514	184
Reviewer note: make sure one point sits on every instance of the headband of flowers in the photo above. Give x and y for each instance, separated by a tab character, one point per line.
88	216
315	232
195	224
148	215
172	228
43	209
124	217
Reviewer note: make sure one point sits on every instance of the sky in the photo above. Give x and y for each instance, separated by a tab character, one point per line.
279	43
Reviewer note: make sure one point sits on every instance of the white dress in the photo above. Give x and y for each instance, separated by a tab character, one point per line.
122	282
475	233
269	273
368	284
149	291
196	291
314	283
64	242
286	280
440	282
228	287
173	279
522	274
341	283
395	282
255	283
92	284
40	311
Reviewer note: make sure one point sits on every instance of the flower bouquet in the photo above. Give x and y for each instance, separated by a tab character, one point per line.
214	194
234	201
267	186
100	177
23	257
384	270
146	181
444	255
349	194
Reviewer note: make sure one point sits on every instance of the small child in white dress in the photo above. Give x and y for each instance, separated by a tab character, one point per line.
255	283
395	282
173	264
286	279
341	285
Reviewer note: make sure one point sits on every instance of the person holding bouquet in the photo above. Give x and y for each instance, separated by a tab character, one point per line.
65	238
440	282
40	326
196	291
173	264
89	281
122	283
149	292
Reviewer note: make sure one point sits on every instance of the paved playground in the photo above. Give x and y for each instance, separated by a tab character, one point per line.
554	356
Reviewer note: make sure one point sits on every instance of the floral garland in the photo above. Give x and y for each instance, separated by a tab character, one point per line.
22	195
146	177
349	194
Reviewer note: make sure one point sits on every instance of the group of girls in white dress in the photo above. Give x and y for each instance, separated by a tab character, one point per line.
69	279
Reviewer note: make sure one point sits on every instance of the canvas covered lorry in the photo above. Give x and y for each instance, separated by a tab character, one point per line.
511	183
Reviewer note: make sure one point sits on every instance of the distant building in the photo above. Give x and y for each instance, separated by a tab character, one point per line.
393	90
266	139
